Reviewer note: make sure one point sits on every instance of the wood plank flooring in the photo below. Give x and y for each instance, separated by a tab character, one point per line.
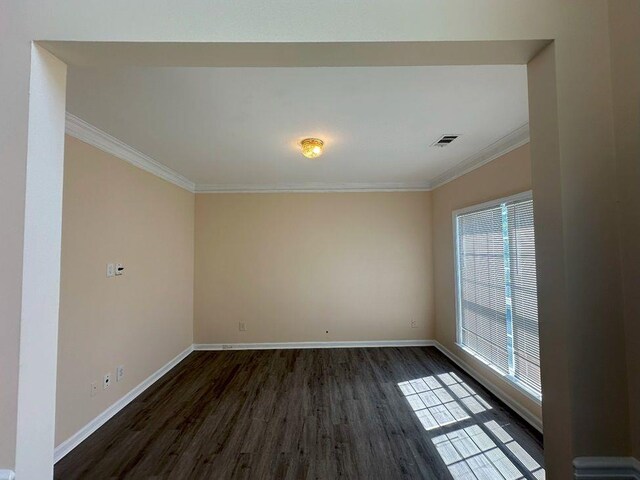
369	413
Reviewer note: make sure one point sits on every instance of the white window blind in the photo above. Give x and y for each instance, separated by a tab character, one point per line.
483	327
496	288
524	300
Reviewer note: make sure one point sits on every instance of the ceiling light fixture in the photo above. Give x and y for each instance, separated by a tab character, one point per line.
312	147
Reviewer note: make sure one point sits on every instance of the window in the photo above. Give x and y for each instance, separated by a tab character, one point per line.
496	297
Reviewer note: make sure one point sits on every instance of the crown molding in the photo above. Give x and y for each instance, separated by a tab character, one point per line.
511	141
84	131
78	128
313	188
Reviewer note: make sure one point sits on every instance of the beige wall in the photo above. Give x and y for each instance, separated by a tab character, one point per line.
624	21
504	176
114	212
294	265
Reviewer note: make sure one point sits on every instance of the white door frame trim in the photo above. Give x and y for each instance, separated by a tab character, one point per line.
37	371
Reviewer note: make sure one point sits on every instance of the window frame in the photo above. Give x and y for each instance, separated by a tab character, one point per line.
527	195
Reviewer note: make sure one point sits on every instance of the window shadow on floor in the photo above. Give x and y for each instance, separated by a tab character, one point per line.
470	446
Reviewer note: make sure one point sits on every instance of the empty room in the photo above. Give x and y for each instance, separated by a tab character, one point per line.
303	276
279	243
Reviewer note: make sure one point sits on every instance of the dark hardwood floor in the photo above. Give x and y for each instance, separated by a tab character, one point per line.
370	413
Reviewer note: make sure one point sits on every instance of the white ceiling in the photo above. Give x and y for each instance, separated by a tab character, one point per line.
238	128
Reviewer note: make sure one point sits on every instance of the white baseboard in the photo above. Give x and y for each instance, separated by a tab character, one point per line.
516	406
507	399
7	475
65	447
294	345
72	442
606	468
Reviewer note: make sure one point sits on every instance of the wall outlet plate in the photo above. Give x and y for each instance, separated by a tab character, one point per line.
119	373
111	270
242	326
106	381
119	269
414	324
94	389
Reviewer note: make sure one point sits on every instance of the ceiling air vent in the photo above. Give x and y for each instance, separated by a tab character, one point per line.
444	140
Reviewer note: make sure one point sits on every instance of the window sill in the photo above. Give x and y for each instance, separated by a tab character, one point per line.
514	382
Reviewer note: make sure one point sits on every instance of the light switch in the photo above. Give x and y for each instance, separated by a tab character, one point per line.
111	269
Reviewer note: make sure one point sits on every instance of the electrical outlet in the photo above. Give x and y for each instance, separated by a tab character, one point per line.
119	373
106	381
111	270
119	269
414	324
94	389
242	326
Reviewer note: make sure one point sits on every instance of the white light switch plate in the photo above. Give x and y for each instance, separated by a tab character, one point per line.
111	270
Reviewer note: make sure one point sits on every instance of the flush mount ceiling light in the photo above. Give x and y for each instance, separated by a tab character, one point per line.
312	147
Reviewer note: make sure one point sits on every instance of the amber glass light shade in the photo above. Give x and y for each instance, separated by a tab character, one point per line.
312	147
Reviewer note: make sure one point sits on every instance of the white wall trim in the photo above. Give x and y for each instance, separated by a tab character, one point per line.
606	468
38	347
314	188
78	128
479	377
65	447
7	475
294	345
72	442
84	131
511	141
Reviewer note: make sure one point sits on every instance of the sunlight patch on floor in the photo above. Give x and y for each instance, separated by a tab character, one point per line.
480	451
